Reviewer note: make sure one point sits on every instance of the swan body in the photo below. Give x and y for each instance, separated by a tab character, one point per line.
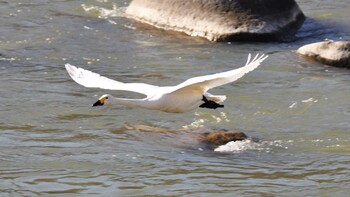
181	98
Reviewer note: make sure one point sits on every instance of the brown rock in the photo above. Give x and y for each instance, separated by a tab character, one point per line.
328	52
222	20
218	138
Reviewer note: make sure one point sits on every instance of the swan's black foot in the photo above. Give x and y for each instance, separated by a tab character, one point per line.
210	104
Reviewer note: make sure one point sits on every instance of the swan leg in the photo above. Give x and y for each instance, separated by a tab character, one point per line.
210	104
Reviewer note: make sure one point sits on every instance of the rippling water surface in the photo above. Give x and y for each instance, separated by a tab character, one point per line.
53	142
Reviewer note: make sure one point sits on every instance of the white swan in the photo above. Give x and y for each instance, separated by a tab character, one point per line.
184	97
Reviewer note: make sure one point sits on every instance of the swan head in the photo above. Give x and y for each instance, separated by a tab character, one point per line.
103	100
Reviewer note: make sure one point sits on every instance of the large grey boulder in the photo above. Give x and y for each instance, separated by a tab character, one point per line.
328	52
222	20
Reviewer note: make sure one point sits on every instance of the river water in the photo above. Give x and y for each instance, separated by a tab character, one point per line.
53	142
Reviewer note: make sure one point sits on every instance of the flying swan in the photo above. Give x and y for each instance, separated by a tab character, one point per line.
181	98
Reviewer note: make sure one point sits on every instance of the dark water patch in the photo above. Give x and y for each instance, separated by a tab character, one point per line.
22	128
68	138
75	117
68	191
314	30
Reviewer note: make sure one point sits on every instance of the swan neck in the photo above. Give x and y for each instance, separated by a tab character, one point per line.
127	102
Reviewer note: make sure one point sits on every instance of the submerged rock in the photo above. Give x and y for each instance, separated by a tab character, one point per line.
221	137
222	20
210	138
328	52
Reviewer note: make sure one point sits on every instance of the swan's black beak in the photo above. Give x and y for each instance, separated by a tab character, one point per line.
98	103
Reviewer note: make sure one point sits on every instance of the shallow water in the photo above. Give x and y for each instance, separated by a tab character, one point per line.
53	142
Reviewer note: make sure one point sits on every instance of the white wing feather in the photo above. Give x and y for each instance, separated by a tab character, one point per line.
93	80
199	84
204	83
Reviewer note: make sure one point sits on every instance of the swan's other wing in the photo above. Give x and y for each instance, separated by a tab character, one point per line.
93	80
204	83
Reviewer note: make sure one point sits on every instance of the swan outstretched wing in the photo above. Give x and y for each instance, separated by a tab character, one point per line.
199	84
93	80
204	83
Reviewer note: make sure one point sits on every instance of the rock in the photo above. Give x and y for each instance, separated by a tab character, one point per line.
222	20
221	137
202	137
328	52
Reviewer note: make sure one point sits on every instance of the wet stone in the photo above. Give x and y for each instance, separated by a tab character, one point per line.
328	52
216	138
222	20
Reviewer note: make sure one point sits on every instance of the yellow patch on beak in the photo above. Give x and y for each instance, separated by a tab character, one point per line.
100	102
